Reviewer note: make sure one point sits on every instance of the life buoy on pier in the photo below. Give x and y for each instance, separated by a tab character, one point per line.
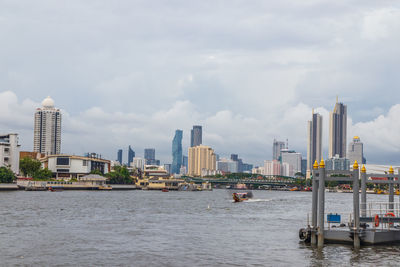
390	214
376	220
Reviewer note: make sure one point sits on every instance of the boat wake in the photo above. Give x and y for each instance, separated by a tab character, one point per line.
256	200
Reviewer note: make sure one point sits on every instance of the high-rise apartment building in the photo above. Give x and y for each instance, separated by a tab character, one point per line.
47	129
201	158
196	134
177	152
314	144
272	167
119	156
338	131
150	156
293	159
276	149
138	163
356	151
131	155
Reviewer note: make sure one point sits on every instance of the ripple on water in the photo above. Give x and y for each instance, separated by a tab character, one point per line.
139	228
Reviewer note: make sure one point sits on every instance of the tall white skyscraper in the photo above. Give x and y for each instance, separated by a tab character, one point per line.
47	131
314	146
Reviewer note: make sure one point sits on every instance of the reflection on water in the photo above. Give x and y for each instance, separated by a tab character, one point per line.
142	228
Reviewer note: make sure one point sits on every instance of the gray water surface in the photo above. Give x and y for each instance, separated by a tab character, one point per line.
152	228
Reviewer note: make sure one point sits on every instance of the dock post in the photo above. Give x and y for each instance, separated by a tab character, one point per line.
321	203
314	207
356	205
391	191
363	192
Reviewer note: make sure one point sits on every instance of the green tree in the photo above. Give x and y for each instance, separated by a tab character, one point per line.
29	166
43	174
120	175
6	175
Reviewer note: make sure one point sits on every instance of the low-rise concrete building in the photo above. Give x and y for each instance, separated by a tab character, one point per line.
9	151
74	167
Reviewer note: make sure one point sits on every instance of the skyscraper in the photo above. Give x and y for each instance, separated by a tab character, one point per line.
196	138
338	131
47	129
150	156
201	158
314	145
177	152
119	156
356	151
131	155
276	149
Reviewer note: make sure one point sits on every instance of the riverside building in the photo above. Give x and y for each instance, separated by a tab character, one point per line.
74	167
47	129
201	158
9	151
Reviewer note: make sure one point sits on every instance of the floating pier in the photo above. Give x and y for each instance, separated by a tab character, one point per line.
369	223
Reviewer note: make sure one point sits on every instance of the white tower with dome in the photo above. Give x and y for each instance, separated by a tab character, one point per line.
47	131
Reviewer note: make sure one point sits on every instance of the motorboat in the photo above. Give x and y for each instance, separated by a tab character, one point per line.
240	197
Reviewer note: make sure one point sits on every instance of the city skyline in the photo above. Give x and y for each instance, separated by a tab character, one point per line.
228	68
302	150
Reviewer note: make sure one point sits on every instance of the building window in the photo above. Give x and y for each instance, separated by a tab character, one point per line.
84	163
63	161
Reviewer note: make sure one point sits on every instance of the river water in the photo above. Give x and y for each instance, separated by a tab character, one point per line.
153	228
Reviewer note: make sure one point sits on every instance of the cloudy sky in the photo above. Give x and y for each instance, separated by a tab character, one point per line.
131	72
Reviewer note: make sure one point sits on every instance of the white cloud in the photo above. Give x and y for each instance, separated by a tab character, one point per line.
134	71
